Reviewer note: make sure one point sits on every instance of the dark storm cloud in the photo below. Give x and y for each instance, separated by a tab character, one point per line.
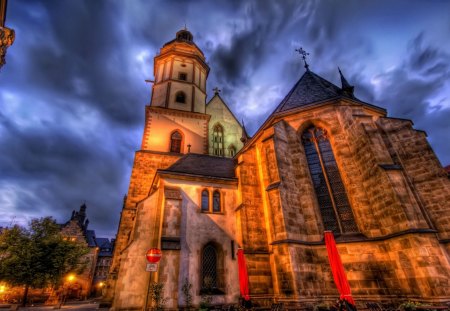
82	53
250	46
73	89
408	91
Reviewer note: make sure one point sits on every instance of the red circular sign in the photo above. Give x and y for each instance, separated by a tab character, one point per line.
153	255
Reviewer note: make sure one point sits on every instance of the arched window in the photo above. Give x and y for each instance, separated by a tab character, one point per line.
334	206
218	140
180	97
209	268
216	201
231	150
175	142
205	200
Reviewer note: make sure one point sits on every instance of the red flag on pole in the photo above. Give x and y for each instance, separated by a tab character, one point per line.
338	269
243	276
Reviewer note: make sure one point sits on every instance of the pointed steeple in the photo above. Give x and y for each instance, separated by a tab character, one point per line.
346	88
245	136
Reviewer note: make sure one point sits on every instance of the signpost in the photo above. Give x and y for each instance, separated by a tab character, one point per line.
153	256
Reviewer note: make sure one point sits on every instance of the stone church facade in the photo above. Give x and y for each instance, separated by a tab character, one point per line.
323	160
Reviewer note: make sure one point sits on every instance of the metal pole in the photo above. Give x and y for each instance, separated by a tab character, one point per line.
148	289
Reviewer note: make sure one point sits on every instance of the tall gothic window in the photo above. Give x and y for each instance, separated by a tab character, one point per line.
218	140
334	206
209	267
175	142
205	200
216	201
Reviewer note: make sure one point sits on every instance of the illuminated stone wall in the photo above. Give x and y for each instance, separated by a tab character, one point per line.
221	114
144	168
397	189
172	213
161	123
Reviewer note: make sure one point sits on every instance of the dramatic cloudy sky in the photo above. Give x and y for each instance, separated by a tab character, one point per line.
72	93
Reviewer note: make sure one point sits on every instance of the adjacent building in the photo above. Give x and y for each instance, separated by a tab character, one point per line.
98	260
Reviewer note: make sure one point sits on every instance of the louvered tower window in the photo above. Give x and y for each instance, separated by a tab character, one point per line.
209	268
175	142
334	206
218	140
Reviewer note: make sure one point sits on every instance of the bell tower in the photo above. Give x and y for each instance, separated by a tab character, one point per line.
180	75
176	121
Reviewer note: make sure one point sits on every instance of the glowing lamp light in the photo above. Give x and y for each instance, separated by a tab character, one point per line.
71	277
101	284
2	288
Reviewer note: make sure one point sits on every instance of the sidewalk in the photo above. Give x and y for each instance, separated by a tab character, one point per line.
85	306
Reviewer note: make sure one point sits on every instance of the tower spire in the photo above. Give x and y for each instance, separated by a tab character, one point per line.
346	88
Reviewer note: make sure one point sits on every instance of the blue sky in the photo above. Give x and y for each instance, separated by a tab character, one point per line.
72	93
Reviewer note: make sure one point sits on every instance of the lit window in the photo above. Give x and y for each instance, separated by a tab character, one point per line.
211	204
335	209
218	140
180	97
175	142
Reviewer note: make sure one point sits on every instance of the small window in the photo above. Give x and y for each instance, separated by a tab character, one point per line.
205	200
182	76
175	142
232	150
216	201
180	97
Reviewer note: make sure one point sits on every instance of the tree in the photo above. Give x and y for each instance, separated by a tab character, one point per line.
39	255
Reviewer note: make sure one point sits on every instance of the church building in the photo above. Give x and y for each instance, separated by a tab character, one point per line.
323	160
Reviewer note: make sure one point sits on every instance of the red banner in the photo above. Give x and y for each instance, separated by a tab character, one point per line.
338	269
243	276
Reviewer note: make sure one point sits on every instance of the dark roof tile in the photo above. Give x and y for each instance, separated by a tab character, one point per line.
310	89
203	165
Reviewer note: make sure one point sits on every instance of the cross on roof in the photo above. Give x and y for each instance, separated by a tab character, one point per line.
217	90
303	53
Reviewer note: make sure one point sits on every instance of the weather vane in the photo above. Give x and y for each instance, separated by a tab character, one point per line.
217	90
303	53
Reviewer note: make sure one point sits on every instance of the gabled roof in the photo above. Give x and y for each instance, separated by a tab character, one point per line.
203	165
310	89
90	238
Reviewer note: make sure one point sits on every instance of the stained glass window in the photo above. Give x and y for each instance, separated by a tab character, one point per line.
334	206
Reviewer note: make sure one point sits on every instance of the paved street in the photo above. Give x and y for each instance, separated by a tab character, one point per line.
70	306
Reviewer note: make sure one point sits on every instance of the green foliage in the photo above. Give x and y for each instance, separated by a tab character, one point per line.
186	289
156	291
38	256
409	305
205	303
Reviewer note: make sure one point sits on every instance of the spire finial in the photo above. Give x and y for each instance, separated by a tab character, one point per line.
217	90
303	53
